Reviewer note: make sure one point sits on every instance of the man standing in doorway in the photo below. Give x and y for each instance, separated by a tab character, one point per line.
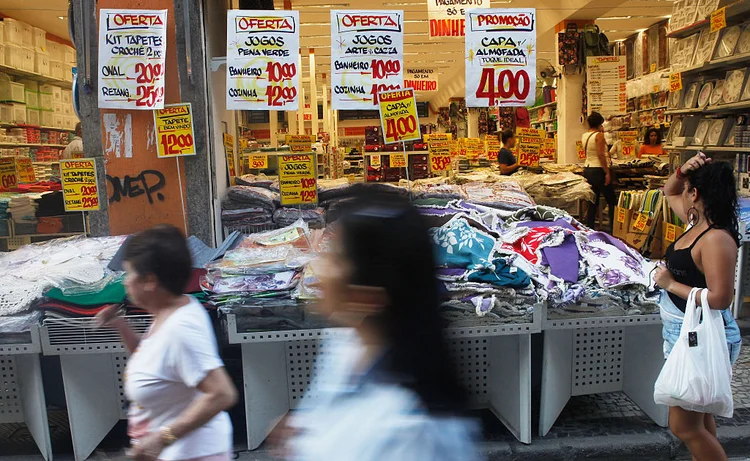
75	148
505	157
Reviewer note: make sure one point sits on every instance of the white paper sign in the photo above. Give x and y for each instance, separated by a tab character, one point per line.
500	57
132	46
421	79
367	55
607	85
262	60
447	17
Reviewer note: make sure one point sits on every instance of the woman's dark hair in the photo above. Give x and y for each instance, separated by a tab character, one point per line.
506	135
163	252
595	120
716	188
388	245
646	139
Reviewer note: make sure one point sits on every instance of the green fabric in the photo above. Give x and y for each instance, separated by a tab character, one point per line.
112	293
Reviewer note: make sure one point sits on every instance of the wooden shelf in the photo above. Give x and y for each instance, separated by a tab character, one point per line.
549	104
36	77
695	110
741	105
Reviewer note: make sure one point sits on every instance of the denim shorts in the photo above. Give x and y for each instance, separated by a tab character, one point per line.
671	317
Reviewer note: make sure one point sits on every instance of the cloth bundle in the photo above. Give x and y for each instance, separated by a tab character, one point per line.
315	218
249	206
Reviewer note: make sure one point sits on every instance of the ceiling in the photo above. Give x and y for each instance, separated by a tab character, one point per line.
44	14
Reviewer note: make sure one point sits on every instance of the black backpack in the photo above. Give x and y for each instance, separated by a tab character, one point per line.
593	43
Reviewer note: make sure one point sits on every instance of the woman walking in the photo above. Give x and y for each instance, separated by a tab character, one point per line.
596	168
175	380
702	193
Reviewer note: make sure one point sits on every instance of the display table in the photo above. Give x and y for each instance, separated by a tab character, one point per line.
278	366
93	361
584	356
21	388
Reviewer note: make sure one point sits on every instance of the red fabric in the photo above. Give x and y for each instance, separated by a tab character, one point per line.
528	246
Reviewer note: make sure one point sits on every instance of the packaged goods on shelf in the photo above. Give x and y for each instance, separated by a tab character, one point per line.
41	63
2	53
13	113
47	118
32	99
13	31
12	92
56	70
33	117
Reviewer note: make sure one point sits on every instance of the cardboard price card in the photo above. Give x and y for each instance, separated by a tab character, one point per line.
262	60
398	116
421	79
8	173
174	130
675	82
549	148
641	222
300	142
580	151
397	161
367	56
528	157
629	140
718	19
620	215
493	146
25	170
500	57
297	179
670	232
257	161
80	190
132	47
447	19
229	152
376	161
439	162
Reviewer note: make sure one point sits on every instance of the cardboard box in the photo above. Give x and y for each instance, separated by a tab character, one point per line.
622	222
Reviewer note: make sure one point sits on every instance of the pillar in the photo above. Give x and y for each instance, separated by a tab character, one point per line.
313	93
326	115
301	111
274	127
472	123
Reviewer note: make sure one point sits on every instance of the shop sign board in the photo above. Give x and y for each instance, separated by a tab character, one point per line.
474	148
300	142
580	151
421	79
25	170
500	57
447	18
132	48
80	189
229	152
629	140
367	56
297	180
257	161
397	161
174	130
262	60
439	147
398	116
606	85
8	173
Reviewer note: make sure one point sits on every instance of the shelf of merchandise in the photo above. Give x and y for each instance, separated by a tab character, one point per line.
549	104
710	148
647	110
592	355
547	120
22	388
45	128
736	106
21	144
278	367
714	65
93	361
742	272
695	110
735	13
36	77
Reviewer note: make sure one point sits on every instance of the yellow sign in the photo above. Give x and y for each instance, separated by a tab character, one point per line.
8	174
528	156
549	148
375	161
257	161
653	67
297	180
80	189
25	170
493	147
675	82
398	115
641	222
529	146
397	161
621	215
174	130
439	146
718	19
580	151
229	151
629	140
300	142
670	232
530	132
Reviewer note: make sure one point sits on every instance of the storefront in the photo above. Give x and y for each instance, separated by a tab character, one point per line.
246	124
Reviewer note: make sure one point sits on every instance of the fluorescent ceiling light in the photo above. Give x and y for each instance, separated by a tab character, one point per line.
613	18
61	17
330	5
404	4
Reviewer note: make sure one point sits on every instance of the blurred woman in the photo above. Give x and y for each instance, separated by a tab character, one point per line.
596	168
701	193
652	143
174	379
389	391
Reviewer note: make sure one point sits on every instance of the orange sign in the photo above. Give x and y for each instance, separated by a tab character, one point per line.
621	215
641	222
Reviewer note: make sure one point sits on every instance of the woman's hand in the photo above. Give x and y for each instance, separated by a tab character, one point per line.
695	163
607	178
663	278
148	448
108	316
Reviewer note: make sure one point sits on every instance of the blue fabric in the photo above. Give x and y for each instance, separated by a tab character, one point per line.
458	244
503	275
672	323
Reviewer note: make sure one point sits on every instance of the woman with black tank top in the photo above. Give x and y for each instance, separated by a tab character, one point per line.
702	193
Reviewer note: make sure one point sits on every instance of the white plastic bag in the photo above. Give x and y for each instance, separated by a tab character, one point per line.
697	374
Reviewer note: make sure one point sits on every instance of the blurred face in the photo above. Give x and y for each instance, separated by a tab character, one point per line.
512	143
653	138
138	287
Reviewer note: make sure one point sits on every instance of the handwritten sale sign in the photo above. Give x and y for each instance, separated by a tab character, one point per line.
397	161
174	131
257	161
500	57
398	116
421	79
297	180
25	170
80	190
439	146
493	147
132	47
629	140
8	173
447	19
262	60
300	142
367	55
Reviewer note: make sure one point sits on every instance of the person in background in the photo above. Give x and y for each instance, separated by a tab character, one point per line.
75	148
174	379
652	143
596	168
702	193
390	391
505	157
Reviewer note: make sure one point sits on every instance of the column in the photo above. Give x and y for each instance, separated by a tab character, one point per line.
274	127
313	93
301	111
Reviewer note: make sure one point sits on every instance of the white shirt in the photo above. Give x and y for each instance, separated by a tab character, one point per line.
75	147
589	143
161	379
371	421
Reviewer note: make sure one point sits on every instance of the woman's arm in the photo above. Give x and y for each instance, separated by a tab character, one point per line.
219	394
109	317
601	152
508	169
676	183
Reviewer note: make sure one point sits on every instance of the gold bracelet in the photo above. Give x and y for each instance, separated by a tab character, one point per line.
167	436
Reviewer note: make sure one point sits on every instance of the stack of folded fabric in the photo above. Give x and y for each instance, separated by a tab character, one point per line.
22	209
315	218
249	206
503	195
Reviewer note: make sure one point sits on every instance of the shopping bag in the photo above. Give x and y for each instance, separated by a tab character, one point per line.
697	374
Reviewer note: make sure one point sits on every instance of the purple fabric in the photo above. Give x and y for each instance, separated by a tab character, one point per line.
558	223
563	259
606	238
451	272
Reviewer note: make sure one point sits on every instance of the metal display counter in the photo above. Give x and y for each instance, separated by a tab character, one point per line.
22	390
278	366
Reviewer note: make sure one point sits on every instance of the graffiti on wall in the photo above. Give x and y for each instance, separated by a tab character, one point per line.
147	182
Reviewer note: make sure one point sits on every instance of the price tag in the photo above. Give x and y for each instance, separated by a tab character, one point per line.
718	19
80	190
297	179
8	174
398	116
528	159
656	88
675	82
397	161
375	161
440	162
629	142
25	170
300	142
174	131
641	222
670	233
581	152
653	67
258	162
621	215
